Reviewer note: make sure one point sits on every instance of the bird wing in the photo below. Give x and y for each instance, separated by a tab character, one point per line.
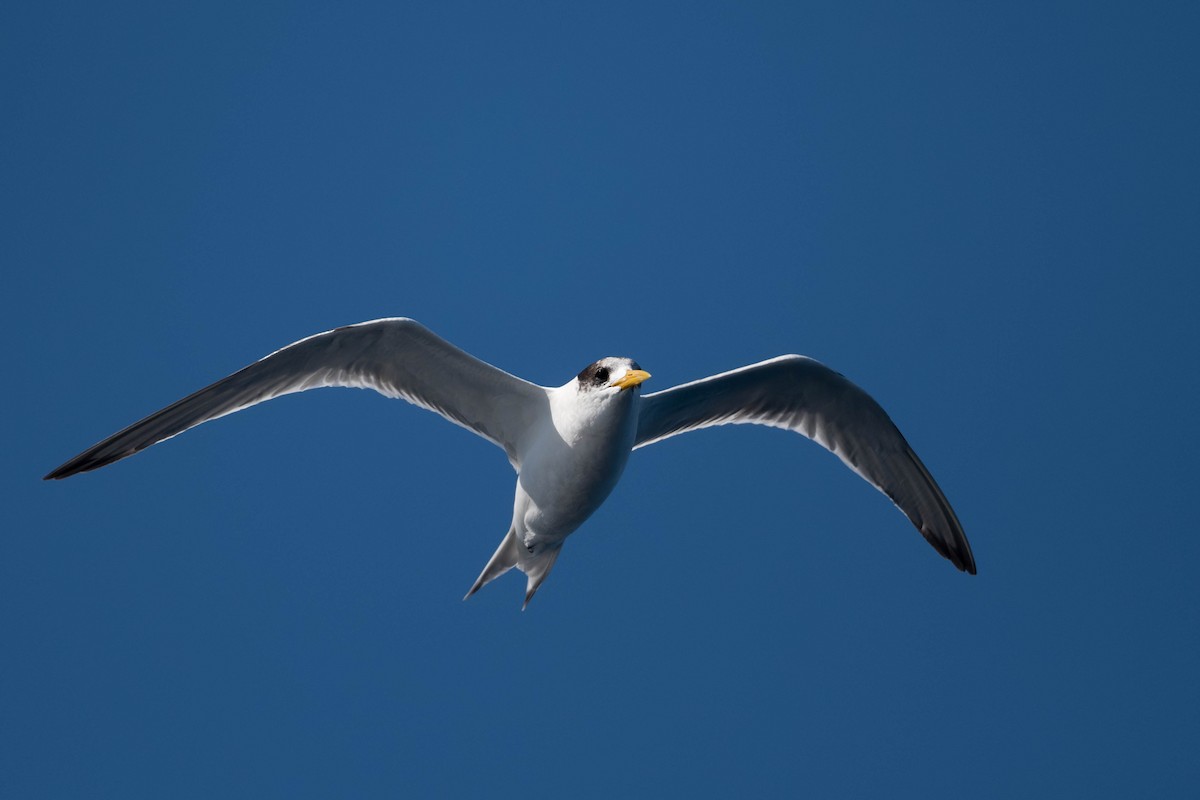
395	357
805	396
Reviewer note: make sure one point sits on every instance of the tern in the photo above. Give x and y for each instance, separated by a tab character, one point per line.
568	444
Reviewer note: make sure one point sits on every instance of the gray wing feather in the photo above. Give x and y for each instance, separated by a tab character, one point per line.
395	357
805	396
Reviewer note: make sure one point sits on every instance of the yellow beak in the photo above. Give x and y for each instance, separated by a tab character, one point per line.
632	378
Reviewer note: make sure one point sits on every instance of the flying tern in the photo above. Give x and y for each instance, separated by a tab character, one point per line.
568	444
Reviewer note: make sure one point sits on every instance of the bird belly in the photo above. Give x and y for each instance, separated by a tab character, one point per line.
557	492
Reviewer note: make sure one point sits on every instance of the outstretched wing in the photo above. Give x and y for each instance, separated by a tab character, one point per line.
395	357
805	396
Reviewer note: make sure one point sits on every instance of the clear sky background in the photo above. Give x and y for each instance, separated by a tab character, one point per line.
984	214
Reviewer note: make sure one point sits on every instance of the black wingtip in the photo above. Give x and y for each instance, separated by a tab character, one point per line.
961	557
75	466
964	560
60	473
64	471
89	460
955	550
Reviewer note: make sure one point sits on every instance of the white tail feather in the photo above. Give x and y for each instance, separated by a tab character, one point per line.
511	553
504	559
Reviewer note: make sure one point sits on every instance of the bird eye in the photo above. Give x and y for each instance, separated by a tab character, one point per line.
602	375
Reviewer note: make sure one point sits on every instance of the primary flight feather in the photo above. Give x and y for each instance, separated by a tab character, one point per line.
568	444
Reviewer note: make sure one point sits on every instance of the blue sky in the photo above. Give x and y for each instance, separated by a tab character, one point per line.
984	214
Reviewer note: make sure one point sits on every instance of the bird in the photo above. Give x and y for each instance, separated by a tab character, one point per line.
568	444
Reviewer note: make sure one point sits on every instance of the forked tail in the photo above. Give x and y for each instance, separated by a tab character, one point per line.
511	553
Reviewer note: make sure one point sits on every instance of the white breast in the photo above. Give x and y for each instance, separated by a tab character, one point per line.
576	460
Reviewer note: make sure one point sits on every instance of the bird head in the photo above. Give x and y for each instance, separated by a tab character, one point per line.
613	373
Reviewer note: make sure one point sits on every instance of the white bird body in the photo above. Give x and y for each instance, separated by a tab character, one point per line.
571	463
575	464
569	444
